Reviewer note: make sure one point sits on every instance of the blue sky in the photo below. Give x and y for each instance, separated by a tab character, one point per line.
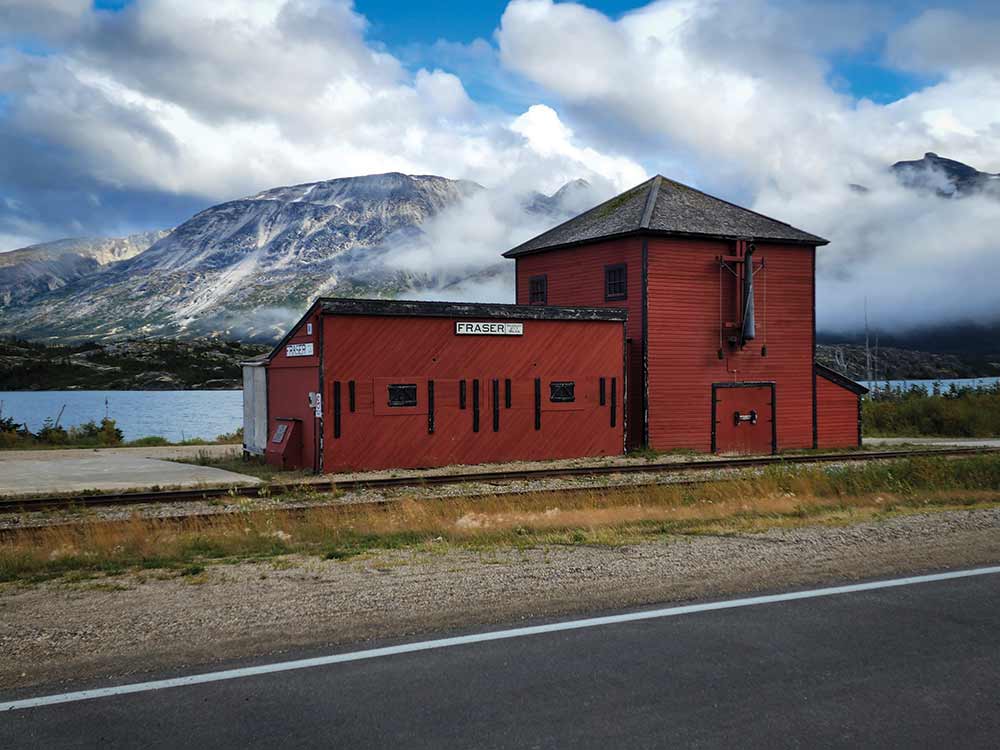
408	27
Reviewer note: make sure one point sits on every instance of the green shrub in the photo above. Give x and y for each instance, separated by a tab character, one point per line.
148	441
52	433
956	412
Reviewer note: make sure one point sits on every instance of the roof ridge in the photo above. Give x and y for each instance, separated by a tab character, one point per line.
743	208
579	216
651	196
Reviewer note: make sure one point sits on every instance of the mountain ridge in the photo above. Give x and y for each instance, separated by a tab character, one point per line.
244	268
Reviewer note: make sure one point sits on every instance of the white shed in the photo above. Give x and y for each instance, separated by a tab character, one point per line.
255	405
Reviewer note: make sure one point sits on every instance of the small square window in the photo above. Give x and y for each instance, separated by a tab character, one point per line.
538	290
403	394
615	282
562	391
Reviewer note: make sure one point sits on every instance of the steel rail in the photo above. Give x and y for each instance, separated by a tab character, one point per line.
64	502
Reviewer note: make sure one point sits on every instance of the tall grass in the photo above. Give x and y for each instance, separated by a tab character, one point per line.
777	496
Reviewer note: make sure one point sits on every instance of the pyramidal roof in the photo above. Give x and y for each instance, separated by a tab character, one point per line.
663	206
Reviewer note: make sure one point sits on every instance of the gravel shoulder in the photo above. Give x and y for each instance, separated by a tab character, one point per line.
116	628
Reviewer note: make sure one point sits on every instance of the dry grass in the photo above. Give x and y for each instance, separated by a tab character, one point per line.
775	497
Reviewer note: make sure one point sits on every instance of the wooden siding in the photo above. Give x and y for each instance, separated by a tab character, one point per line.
836	415
290	380
683	339
374	351
576	278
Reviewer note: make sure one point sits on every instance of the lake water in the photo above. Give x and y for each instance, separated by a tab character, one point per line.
175	415
929	385
181	415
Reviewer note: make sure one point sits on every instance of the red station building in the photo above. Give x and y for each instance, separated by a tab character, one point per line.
663	317
370	384
722	319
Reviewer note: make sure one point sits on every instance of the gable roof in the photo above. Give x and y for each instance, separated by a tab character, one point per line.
663	206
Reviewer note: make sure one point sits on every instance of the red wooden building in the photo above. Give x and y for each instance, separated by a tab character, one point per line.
369	384
721	325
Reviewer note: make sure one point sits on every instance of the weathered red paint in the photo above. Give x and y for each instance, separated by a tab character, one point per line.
837	415
290	380
744	419
682	331
576	277
377	351
684	342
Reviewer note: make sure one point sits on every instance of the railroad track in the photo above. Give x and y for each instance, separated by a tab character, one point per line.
32	504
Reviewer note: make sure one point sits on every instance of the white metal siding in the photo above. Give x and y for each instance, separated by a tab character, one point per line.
254	408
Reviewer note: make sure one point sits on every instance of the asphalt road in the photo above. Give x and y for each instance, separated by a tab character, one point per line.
913	666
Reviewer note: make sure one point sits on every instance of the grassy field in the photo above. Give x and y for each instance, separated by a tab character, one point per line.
968	412
776	497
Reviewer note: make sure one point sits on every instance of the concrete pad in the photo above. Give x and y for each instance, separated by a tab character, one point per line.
153	451
39	472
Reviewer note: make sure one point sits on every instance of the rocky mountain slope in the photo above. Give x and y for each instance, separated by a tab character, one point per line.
125	365
947	177
37	269
890	363
246	268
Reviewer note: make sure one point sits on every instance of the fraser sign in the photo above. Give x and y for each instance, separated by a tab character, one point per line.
488	328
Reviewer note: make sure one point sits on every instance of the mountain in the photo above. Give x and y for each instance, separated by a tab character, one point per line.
572	198
947	177
30	271
246	268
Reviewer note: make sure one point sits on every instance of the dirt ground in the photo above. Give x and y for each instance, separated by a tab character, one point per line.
62	633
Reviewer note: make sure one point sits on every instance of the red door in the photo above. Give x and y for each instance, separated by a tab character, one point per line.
744	418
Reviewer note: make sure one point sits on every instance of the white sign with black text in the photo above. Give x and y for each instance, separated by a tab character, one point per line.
488	328
299	350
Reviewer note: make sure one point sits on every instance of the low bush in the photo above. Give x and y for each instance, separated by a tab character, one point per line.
148	441
954	412
87	435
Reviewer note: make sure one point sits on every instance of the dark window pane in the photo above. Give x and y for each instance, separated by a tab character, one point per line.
403	394
615	282
538	290
562	390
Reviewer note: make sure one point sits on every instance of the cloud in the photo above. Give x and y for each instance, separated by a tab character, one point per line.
942	41
215	100
742	91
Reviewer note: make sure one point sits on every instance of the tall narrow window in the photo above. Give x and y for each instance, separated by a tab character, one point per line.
615	282
538	290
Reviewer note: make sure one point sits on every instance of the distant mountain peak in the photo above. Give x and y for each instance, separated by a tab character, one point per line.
367	187
947	177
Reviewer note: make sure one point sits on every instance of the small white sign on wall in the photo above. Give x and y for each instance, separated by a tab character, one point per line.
488	328
299	350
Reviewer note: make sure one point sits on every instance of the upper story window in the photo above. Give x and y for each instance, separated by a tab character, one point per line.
615	282
538	290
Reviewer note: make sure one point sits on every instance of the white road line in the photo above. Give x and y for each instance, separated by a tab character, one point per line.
497	635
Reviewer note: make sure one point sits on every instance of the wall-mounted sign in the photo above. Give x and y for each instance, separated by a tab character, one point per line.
488	328
299	350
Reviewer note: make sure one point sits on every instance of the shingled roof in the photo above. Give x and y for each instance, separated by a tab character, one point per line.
663	206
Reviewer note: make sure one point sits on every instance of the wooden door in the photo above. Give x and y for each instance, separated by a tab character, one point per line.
743	418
